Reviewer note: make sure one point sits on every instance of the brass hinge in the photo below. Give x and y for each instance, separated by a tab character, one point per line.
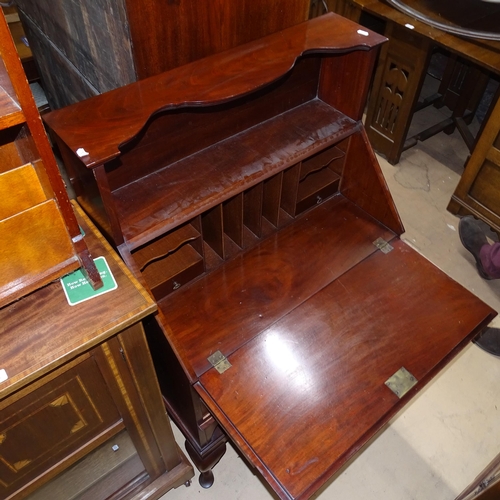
401	382
219	362
382	245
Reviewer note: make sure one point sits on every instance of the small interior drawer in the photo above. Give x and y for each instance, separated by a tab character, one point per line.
319	178
171	260
166	275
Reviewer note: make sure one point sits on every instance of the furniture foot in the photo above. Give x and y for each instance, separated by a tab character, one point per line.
204	462
206	479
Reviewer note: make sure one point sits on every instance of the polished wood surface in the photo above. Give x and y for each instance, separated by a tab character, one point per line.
219	78
157	210
250	293
316	378
248	200
180	32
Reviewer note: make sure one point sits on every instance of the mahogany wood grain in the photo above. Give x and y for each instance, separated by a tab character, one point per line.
142	39
366	186
232	73
344	84
272	190
320	405
225	169
321	160
249	293
165	245
252	209
233	219
190	130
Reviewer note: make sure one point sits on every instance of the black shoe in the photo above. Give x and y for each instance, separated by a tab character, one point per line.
473	239
489	341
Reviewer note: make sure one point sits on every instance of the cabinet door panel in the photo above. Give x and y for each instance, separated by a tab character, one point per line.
40	429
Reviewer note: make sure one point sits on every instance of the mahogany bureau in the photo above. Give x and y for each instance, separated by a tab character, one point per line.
242	191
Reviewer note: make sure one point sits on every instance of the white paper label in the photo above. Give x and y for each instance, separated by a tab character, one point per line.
3	375
81	152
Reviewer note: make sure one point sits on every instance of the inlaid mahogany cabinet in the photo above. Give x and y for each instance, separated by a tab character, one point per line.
242	191
77	382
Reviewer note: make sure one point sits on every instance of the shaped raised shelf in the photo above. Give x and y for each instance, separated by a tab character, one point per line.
243	192
245	159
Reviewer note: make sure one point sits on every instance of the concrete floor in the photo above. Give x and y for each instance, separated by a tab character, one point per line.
443	439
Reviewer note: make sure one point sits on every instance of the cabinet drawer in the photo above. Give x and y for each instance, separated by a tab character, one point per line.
40	429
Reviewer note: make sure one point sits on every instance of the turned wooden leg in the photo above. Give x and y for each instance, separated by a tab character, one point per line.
204	462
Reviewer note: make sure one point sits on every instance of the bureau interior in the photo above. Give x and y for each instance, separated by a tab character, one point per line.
176	134
184	160
202	181
220	233
190	195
